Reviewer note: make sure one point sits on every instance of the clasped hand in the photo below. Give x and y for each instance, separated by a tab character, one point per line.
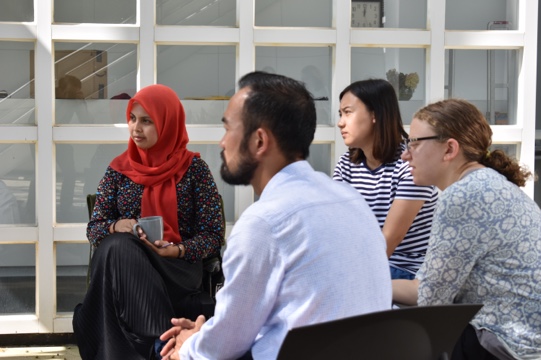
161	247
182	329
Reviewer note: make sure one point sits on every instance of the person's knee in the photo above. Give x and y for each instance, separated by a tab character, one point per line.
116	243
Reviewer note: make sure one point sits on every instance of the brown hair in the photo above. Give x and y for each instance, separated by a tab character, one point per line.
462	121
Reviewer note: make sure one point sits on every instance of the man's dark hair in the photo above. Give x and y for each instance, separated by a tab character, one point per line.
284	107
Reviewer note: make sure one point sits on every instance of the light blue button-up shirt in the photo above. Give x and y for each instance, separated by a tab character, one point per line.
308	251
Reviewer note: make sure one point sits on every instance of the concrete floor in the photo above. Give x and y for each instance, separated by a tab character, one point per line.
67	352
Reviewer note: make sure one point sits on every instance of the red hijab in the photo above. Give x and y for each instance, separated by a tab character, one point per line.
162	166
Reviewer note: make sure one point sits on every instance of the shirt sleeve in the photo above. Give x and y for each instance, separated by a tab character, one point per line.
206	231
456	243
245	301
105	210
338	169
406	188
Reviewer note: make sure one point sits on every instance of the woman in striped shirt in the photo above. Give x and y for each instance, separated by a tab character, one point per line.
371	126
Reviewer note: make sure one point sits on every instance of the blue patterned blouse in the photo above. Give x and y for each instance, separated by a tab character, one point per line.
199	209
485	247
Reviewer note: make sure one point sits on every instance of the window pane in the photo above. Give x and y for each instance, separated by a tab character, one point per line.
95	11
320	158
17	10
17	184
93	82
481	14
17	88
18	279
537	186
202	76
308	13
509	149
78	172
71	270
211	154
404	68
311	65
405	14
487	78
196	12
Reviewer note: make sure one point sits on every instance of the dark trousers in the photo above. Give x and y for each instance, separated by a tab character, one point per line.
133	295
469	348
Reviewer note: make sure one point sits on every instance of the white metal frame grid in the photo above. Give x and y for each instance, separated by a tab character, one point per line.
246	37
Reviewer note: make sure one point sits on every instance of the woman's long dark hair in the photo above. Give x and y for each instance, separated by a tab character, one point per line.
380	98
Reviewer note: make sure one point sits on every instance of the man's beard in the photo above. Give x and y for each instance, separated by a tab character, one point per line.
245	169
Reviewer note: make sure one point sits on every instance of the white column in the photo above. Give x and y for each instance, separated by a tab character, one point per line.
45	174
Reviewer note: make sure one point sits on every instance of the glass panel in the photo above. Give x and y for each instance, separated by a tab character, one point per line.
309	13
409	14
94	82
404	68
18	279
405	14
211	154
17	10
320	158
95	11
196	12
71	270
481	14
17	184
78	173
487	78
510	149
202	76
537	185
312	65
17	88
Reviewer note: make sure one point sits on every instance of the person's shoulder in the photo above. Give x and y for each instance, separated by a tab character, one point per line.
346	155
471	186
198	165
344	159
110	172
320	187
114	179
257	219
480	176
400	166
496	181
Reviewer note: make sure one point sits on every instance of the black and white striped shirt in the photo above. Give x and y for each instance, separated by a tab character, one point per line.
380	187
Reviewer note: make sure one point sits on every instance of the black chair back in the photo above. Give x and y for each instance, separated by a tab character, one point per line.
416	333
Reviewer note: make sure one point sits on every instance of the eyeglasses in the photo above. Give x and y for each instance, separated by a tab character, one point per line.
407	142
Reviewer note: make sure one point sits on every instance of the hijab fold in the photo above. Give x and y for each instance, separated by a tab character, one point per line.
162	166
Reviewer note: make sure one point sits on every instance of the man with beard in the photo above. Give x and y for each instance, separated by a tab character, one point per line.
308	251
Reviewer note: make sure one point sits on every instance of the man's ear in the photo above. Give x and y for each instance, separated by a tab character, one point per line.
261	139
451	150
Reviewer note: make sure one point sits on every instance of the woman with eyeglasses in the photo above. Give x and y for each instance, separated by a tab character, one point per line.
371	126
485	245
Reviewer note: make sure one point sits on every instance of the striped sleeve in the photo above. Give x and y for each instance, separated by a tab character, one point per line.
380	187
407	189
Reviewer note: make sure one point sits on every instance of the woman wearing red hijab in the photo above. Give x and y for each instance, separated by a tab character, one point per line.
138	286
